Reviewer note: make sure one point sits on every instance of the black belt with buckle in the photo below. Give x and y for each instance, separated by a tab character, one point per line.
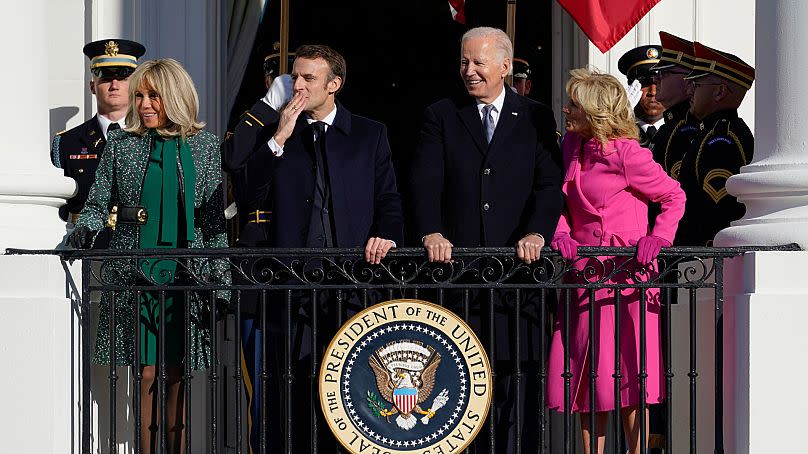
123	214
259	216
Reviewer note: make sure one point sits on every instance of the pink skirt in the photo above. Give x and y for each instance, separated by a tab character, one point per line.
604	355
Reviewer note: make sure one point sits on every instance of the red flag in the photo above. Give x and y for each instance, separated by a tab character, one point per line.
606	21
457	8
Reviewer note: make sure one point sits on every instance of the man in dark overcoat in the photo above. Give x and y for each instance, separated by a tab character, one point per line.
484	175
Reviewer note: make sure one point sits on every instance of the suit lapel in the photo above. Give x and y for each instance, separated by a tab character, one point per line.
508	118
470	117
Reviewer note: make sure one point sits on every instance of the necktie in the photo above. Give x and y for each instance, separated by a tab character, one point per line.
488	122
319	131
113	127
650	132
318	127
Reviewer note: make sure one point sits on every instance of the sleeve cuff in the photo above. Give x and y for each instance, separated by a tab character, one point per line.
276	149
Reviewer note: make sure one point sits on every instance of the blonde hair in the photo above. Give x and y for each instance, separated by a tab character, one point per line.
605	104
176	89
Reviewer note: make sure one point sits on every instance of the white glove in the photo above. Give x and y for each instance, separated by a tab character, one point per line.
634	92
280	92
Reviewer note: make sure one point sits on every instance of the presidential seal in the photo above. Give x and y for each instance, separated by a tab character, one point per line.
405	376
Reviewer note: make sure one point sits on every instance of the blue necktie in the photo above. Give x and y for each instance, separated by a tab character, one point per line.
488	122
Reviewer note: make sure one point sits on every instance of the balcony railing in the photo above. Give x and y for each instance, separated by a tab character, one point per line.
305	295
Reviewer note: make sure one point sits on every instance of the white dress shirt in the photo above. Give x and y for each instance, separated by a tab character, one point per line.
498	102
644	126
104	123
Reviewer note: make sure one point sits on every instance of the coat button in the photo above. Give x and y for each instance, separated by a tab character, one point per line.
597	232
486	206
81	170
308	200
487	172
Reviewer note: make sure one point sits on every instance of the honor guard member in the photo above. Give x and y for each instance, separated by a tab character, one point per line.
674	137
521	76
78	150
253	213
272	67
722	146
636	64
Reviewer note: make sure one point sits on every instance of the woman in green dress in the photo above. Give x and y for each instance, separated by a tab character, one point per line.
164	163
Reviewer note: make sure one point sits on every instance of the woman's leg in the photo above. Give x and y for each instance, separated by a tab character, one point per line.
150	410
175	405
601	418
631	426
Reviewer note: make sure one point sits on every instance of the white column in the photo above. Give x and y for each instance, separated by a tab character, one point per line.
774	187
766	292
764	349
31	189
35	315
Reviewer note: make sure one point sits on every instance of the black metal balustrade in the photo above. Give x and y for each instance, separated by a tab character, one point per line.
480	285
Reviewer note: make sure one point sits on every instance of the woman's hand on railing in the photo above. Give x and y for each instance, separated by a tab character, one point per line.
564	244
81	237
648	248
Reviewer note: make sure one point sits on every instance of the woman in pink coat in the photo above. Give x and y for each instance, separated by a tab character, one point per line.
609	181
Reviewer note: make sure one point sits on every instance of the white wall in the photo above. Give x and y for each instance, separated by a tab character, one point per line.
727	25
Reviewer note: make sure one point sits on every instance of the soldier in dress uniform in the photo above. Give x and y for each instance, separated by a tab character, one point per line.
723	145
636	64
272	67
674	137
521	76
78	150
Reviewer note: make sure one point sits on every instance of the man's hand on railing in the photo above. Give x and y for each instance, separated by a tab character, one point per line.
377	248
528	249
438	248
648	248
564	244
81	237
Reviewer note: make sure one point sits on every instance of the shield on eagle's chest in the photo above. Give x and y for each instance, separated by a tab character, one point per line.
405	399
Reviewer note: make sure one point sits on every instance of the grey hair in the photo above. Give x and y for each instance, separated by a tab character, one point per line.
501	41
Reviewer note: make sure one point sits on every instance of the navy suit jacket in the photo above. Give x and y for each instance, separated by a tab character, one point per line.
479	194
365	199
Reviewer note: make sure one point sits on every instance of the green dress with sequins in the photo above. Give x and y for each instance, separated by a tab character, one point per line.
168	214
120	179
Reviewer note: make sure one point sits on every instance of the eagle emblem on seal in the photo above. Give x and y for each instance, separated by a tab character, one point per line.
405	376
